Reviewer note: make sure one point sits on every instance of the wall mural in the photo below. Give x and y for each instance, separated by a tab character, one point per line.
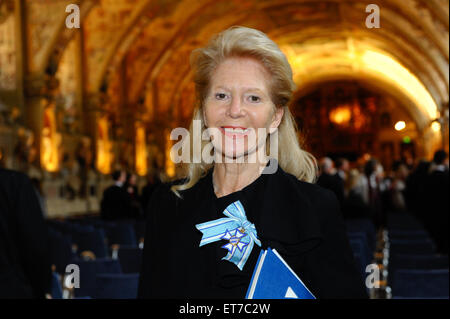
66	95
141	150
50	140
44	19
104	146
7	54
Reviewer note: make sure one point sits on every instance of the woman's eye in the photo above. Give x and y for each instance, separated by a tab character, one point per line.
220	96
254	98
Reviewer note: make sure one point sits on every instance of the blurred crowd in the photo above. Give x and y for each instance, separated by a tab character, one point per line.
367	190
122	200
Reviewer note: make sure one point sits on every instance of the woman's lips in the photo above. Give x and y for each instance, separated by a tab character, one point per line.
235	131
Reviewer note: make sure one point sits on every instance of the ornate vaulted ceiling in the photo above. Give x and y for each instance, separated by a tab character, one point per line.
137	51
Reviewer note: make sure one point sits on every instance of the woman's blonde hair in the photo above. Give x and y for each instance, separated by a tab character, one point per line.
240	41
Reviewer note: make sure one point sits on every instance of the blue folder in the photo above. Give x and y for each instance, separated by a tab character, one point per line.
274	279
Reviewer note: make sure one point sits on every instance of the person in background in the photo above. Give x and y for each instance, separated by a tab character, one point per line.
153	182
342	168
25	269
330	179
116	202
372	174
415	190
355	204
437	199
397	187
132	190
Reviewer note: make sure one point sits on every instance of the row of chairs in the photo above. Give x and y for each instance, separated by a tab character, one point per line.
126	232
108	255
98	279
362	237
415	270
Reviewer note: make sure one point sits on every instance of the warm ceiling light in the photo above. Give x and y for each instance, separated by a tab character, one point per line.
341	115
436	126
391	69
314	61
400	125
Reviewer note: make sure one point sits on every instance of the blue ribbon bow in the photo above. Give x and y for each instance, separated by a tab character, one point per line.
240	233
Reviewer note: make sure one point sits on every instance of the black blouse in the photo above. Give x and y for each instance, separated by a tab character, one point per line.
300	220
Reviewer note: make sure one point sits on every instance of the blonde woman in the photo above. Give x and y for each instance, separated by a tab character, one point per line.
244	85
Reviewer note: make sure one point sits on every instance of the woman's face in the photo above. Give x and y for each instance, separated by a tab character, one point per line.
238	104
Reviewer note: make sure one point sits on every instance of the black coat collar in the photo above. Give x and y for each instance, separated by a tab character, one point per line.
288	220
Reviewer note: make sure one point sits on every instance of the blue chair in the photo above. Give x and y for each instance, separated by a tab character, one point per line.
408	234
405	261
75	228
424	262
403	221
120	233
363	225
360	255
56	289
91	220
130	259
117	286
420	283
91	240
60	246
412	246
366	250
89	269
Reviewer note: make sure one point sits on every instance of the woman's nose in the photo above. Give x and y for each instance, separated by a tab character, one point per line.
235	108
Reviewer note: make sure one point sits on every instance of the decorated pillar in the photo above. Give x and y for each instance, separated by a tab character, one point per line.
41	119
97	126
140	144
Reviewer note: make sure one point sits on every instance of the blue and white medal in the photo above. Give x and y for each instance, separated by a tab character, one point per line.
240	233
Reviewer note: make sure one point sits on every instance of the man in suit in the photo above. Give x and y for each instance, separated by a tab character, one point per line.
437	200
330	179
116	202
25	270
342	168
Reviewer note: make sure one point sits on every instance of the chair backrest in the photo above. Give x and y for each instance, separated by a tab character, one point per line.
411	246
60	246
88	274
366	250
407	261
130	259
408	234
410	261
403	221
421	283
120	233
117	286
360	254
363	225
91	240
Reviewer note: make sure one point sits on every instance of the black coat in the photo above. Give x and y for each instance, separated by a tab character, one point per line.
116	204
435	215
334	183
300	220
25	269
